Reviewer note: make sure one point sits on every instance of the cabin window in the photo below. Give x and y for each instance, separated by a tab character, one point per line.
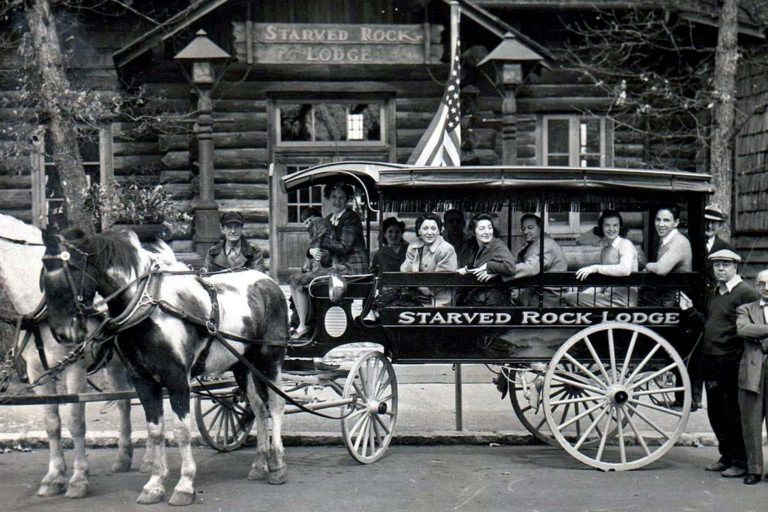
305	197
47	194
575	141
330	123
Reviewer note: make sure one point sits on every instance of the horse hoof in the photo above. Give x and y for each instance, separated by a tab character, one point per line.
278	477
50	489
182	499
121	466
258	473
150	497
78	490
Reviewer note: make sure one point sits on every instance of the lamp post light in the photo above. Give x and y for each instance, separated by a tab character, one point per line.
203	53
509	59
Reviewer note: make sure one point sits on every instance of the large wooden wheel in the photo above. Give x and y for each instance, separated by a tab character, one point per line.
621	394
527	401
369	422
224	419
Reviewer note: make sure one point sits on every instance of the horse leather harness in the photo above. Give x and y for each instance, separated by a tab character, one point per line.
144	303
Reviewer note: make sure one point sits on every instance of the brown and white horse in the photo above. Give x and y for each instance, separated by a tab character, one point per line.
21	262
165	350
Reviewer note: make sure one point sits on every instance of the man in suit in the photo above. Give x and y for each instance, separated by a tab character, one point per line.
722	348
752	326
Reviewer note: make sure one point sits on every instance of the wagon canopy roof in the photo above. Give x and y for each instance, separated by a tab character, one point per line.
354	172
522	187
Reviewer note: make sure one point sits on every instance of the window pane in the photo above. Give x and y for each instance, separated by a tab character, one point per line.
330	122
292	214
317	196
589	136
589	161
557	134
557	160
295	122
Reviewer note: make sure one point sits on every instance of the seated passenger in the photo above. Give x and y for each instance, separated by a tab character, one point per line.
431	253
486	257
618	257
391	254
528	261
674	255
454	230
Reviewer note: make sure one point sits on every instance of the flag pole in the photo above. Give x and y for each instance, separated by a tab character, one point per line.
455	17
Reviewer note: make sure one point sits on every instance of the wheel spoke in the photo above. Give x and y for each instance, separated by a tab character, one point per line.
565	413
643	362
578	417
590	398
592	426
215	419
382	386
360	393
657	408
622	448
606	433
612	355
653	375
362	372
386	398
577	384
628	357
381	424
225	421
371	437
357	425
360	436
585	370
210	410
599	363
658	391
648	421
638	435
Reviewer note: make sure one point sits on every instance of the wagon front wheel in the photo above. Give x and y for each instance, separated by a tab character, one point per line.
616	366
369	420
224	419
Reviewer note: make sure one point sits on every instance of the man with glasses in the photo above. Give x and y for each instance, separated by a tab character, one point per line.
233	250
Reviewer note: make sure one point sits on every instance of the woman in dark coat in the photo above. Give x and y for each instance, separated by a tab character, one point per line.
345	246
391	254
486	257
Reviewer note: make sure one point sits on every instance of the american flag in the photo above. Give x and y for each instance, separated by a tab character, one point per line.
441	143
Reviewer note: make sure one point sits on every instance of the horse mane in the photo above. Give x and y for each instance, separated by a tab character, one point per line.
108	249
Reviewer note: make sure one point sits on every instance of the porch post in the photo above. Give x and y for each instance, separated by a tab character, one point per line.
205	207
511	77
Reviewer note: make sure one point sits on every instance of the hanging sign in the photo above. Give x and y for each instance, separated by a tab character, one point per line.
308	43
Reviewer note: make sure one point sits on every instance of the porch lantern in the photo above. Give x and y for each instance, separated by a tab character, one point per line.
203	53
512	61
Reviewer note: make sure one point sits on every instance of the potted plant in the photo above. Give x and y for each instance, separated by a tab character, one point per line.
147	210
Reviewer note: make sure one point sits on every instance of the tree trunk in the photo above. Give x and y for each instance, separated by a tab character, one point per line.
55	90
721	145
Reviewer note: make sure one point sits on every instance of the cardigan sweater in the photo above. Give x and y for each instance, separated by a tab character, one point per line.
720	336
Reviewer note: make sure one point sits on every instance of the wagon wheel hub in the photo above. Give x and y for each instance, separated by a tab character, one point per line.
618	395
375	407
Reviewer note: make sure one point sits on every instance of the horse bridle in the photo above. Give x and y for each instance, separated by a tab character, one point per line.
65	258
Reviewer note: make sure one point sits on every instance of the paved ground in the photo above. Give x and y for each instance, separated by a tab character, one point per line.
422	478
426	412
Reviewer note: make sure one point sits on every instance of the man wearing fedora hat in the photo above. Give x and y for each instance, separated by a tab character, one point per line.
722	350
714	220
752	326
233	250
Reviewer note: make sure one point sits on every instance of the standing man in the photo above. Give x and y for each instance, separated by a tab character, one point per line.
528	261
752	326
714	220
233	250
722	349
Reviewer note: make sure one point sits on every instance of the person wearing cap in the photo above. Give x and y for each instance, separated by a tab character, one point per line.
752	327
714	220
528	261
722	350
233	250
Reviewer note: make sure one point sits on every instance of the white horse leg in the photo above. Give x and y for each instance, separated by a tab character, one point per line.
78	484
55	480
116	373
260	466
151	397
184	492
277	472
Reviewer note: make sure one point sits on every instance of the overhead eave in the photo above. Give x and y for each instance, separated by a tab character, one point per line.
168	28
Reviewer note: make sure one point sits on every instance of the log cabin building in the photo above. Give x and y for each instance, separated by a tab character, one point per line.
316	81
